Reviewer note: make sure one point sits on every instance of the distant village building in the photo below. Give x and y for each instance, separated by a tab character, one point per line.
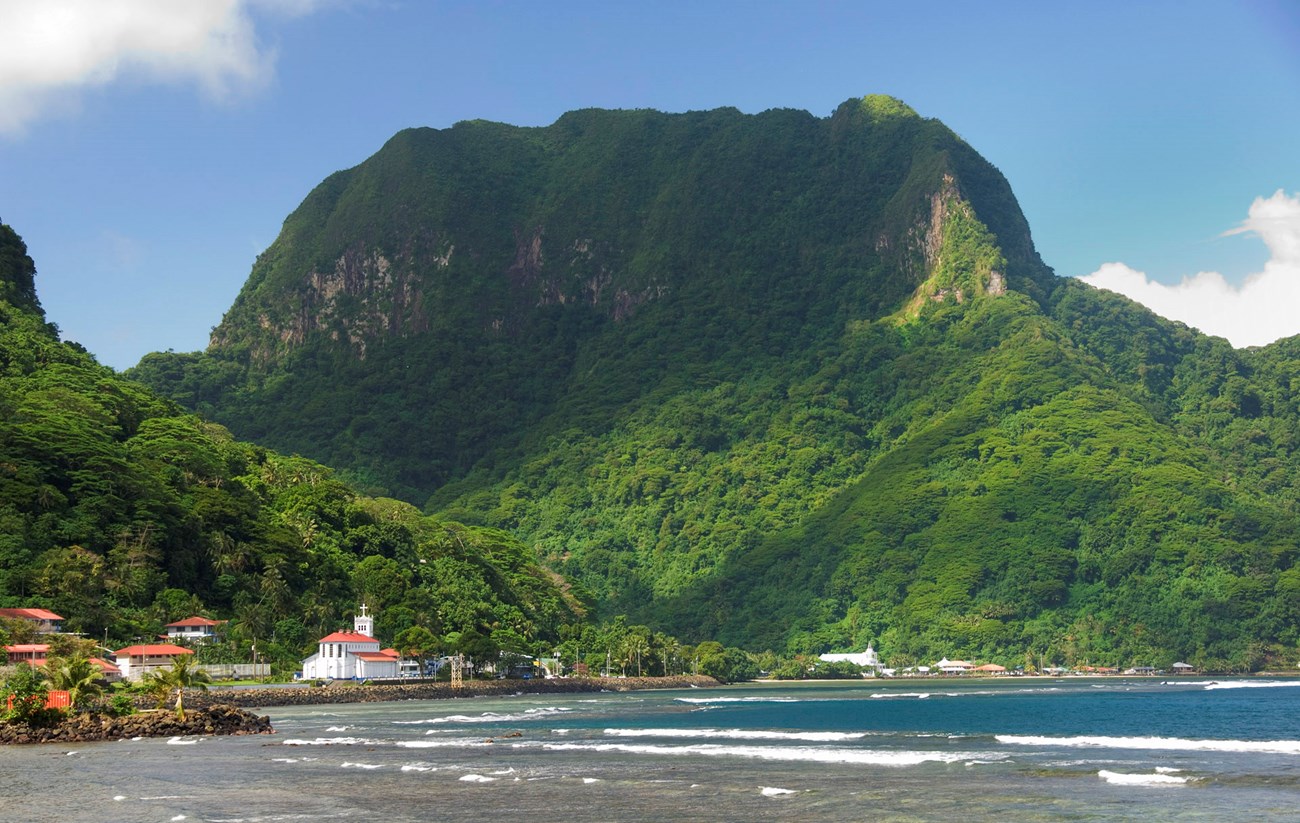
37	654
46	621
196	629
110	672
953	666
353	655
866	659
33	654
135	662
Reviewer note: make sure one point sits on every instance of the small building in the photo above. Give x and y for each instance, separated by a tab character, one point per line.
46	621
33	654
991	668
953	666
353	655
110	671
196	629
135	662
1183	668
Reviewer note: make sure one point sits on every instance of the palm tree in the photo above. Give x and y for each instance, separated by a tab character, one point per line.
184	674
77	676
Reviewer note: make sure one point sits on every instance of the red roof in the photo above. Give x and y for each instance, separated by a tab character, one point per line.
348	637
30	614
375	657
156	650
28	647
193	621
105	666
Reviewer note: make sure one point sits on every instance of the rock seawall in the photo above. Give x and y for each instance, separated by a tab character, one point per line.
218	718
351	693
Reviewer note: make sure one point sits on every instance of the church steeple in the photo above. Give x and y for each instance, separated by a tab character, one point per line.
364	623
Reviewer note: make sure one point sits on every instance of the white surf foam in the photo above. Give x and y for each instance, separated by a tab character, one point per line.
737	699
476	778
739	734
1214	685
772	791
1156	779
419	767
784	753
1157	743
900	695
329	741
180	741
440	744
489	717
347	765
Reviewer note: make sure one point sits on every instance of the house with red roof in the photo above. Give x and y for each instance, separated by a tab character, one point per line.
353	655
46	621
110	671
135	662
33	654
36	654
197	629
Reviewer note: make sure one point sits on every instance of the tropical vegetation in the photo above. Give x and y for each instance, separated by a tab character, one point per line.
787	383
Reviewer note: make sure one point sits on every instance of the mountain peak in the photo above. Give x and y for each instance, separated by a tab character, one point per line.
882	107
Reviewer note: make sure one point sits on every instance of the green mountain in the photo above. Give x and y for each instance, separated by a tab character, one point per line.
792	382
122	512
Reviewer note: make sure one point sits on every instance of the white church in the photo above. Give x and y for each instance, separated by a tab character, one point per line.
866	659
353	655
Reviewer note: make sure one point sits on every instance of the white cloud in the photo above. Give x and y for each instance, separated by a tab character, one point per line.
1264	308
52	49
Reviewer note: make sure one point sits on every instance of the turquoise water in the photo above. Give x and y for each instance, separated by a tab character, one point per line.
1070	749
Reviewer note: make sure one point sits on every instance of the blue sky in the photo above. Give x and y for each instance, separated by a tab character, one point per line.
149	149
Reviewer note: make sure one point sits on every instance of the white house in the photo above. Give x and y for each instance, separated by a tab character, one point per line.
352	655
194	628
135	661
864	659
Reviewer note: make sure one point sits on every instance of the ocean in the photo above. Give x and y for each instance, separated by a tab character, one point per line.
1008	749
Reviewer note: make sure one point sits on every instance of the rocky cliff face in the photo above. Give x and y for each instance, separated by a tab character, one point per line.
477	227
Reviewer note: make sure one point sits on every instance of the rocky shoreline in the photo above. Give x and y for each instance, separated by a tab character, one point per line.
225	711
356	693
218	718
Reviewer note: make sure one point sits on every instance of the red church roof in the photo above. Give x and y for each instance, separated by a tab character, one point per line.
348	637
105	666
376	657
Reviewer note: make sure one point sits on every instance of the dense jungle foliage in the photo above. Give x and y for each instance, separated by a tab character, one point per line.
787	382
122	512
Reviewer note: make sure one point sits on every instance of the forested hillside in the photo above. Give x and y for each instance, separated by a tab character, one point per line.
122	512
798	383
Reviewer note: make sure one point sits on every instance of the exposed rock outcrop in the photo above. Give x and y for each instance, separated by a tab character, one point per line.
218	718
348	693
